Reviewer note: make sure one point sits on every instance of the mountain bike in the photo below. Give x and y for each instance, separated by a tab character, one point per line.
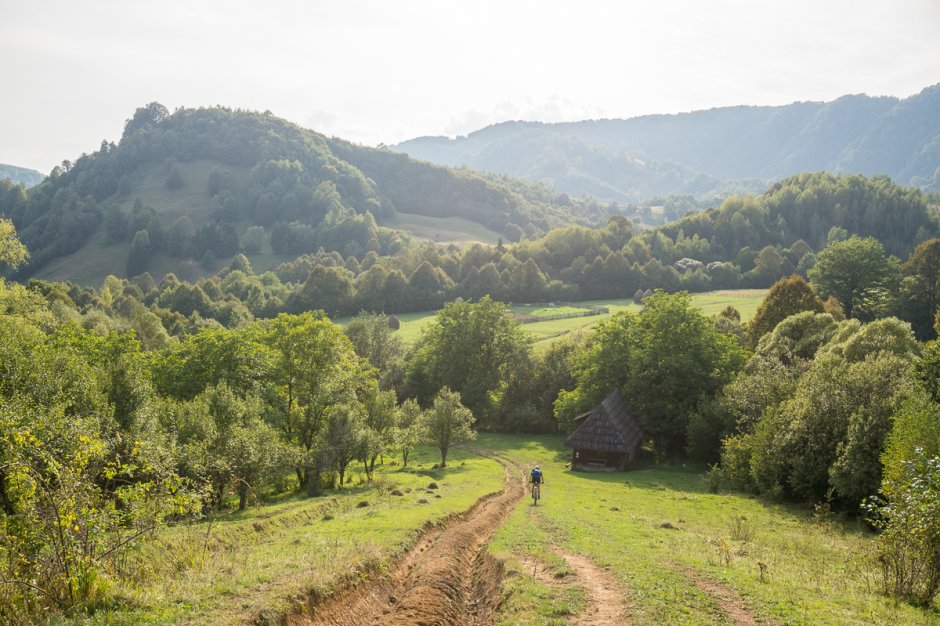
536	493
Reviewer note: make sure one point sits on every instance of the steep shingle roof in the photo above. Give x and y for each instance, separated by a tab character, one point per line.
609	427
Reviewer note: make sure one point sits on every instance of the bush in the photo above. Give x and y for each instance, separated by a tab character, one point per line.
909	545
736	462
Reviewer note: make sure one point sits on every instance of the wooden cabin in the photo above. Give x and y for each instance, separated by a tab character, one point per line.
607	438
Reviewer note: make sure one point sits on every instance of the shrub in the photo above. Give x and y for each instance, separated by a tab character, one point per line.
909	545
736	455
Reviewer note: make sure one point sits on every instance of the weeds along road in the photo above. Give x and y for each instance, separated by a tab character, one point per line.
447	577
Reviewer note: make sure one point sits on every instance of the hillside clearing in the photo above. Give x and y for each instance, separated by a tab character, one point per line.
745	301
647	546
442	229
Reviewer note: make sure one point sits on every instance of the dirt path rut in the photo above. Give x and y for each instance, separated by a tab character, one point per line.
448	577
728	600
605	595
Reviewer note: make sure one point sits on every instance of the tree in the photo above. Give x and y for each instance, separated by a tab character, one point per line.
224	443
253	240
770	264
666	361
82	478
12	252
427	286
787	297
447	422
144	117
115	223
257	455
326	288
381	415
210	357
814	405
908	513
315	370
139	253
346	436
468	349
407	434
175	181
857	273
921	287
374	341
797	337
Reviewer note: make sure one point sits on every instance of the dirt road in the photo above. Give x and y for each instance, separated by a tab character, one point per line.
448	577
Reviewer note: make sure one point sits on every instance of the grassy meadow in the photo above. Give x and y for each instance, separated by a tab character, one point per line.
745	301
659	529
442	229
244	565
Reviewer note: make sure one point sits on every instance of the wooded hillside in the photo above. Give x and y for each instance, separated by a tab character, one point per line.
198	180
709	152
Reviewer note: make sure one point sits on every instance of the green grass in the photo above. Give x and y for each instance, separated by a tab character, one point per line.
246	564
550	311
745	301
650	525
442	229
91	263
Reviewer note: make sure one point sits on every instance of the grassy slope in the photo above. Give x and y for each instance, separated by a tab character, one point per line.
817	572
257	561
442	229
96	259
745	301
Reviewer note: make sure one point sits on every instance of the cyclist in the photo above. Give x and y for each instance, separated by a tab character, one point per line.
535	477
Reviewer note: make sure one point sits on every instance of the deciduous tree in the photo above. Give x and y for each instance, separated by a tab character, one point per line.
857	273
447	422
787	297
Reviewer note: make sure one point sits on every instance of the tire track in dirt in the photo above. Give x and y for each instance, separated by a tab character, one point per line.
605	595
447	577
604	592
729	601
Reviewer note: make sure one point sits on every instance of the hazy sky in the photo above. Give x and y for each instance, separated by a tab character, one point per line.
387	70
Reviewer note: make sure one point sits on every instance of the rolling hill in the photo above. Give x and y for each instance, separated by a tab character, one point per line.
22	175
198	185
707	153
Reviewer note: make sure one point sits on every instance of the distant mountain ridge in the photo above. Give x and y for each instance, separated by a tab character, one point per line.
20	175
709	152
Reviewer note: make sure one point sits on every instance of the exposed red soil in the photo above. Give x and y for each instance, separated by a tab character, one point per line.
447	577
605	594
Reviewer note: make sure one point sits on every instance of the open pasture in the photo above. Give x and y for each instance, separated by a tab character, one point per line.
745	301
